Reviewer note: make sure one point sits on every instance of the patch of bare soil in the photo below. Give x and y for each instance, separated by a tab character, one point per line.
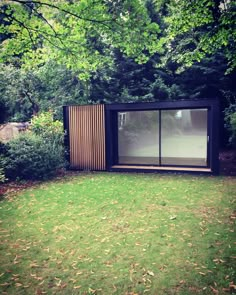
11	187
14	186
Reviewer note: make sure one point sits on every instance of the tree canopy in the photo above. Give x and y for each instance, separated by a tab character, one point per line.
61	52
199	28
82	34
71	31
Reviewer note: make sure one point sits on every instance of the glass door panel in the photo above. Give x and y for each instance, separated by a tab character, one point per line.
184	137
138	137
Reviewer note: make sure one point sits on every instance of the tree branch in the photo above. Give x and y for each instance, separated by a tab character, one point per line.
63	10
35	105
45	35
25	27
57	35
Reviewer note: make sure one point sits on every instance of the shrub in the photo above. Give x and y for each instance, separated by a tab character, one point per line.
230	121
230	116
33	157
44	126
37	153
233	129
2	176
3	154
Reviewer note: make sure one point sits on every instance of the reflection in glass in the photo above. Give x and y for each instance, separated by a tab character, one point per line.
184	137
138	137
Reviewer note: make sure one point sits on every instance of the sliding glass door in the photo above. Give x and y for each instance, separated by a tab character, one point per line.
138	137
163	137
184	137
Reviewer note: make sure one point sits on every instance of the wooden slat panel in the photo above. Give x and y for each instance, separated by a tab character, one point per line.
71	138
87	137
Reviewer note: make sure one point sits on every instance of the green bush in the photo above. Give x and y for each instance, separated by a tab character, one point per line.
2	176
3	154
37	153
233	129
33	157
44	126
230	120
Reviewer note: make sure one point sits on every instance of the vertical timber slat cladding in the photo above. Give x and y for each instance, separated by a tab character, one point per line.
102	149
71	139
99	134
87	137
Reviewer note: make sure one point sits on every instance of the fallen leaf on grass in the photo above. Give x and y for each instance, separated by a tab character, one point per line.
92	291
4	284
77	287
26	286
41	283
40	292
63	285
214	290
34	265
217	260
150	273
173	217
15	259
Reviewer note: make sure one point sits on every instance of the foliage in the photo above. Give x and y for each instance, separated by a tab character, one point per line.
120	233
24	93
61	86
128	81
3	154
35	31
20	91
38	153
32	157
2	175
44	126
233	129
112	51
69	31
230	117
196	29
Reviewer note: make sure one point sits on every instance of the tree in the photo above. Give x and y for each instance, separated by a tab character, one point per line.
199	28
66	30
127	81
25	93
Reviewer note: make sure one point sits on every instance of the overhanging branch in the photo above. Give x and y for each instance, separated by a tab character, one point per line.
24	2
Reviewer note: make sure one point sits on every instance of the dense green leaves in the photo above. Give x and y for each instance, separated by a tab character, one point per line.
66	52
81	34
38	153
70	31
233	128
24	93
198	28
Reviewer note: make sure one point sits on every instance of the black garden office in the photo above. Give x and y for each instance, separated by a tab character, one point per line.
178	136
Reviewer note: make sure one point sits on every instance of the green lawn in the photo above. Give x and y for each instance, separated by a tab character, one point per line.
103	233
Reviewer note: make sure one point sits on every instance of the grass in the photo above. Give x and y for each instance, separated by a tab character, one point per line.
101	233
